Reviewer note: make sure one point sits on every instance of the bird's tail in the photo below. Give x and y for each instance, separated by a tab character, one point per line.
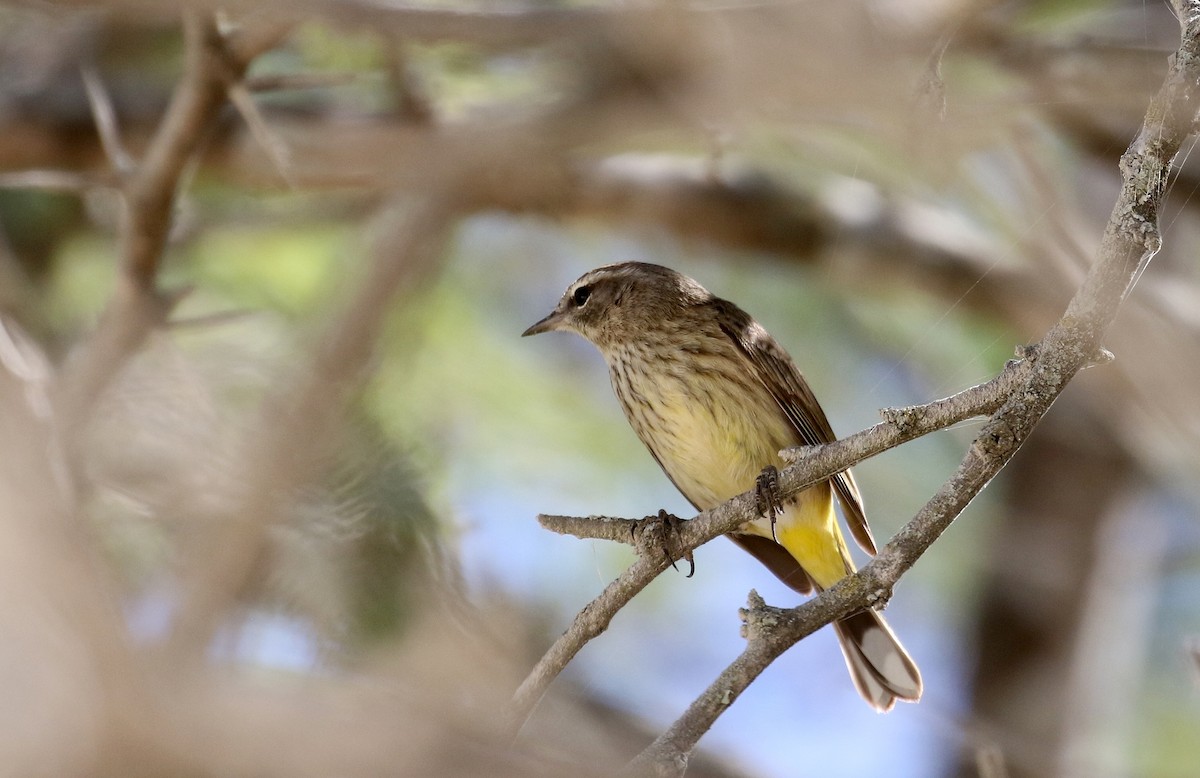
882	670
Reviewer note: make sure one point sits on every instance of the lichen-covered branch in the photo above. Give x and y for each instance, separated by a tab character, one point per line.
1130	240
591	527
812	465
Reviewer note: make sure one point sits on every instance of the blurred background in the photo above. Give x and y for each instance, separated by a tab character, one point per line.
282	541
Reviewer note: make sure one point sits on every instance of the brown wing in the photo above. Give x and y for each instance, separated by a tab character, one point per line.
775	369
775	558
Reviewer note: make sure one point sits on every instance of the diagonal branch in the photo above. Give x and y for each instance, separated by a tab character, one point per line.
105	117
814	465
1130	240
282	451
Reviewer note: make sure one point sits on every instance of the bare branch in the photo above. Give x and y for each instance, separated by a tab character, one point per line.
137	307
591	527
271	144
587	624
106	120
815	464
1130	240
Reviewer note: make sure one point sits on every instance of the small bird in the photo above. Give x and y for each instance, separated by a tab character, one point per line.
715	398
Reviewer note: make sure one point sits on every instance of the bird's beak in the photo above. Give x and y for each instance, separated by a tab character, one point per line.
548	324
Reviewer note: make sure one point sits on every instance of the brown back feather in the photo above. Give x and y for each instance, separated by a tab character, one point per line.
775	369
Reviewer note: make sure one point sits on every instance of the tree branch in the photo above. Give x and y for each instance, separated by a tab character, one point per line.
1130	240
813	465
137	307
591	527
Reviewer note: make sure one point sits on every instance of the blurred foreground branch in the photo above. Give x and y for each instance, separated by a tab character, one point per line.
282	452
164	707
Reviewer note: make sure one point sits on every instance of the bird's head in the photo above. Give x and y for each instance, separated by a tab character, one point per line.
615	304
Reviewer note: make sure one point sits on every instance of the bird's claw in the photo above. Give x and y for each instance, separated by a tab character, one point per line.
664	529
770	497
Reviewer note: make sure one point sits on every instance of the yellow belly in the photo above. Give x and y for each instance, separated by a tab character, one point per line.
712	454
808	529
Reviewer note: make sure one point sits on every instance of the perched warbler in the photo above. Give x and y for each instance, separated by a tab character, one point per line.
715	398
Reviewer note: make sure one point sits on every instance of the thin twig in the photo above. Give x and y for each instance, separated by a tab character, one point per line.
105	117
271	144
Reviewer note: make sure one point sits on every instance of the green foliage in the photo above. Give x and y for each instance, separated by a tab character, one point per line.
288	269
30	219
84	271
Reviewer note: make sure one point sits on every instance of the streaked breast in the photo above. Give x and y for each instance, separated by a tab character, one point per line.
711	425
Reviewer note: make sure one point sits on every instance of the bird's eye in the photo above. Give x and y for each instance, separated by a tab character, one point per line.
581	295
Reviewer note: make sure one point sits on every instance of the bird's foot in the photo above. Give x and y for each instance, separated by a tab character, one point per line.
770	496
662	532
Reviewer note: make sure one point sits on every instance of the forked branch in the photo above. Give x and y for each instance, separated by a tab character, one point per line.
812	465
149	191
1016	399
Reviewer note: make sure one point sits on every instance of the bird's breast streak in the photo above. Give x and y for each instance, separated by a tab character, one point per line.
713	454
